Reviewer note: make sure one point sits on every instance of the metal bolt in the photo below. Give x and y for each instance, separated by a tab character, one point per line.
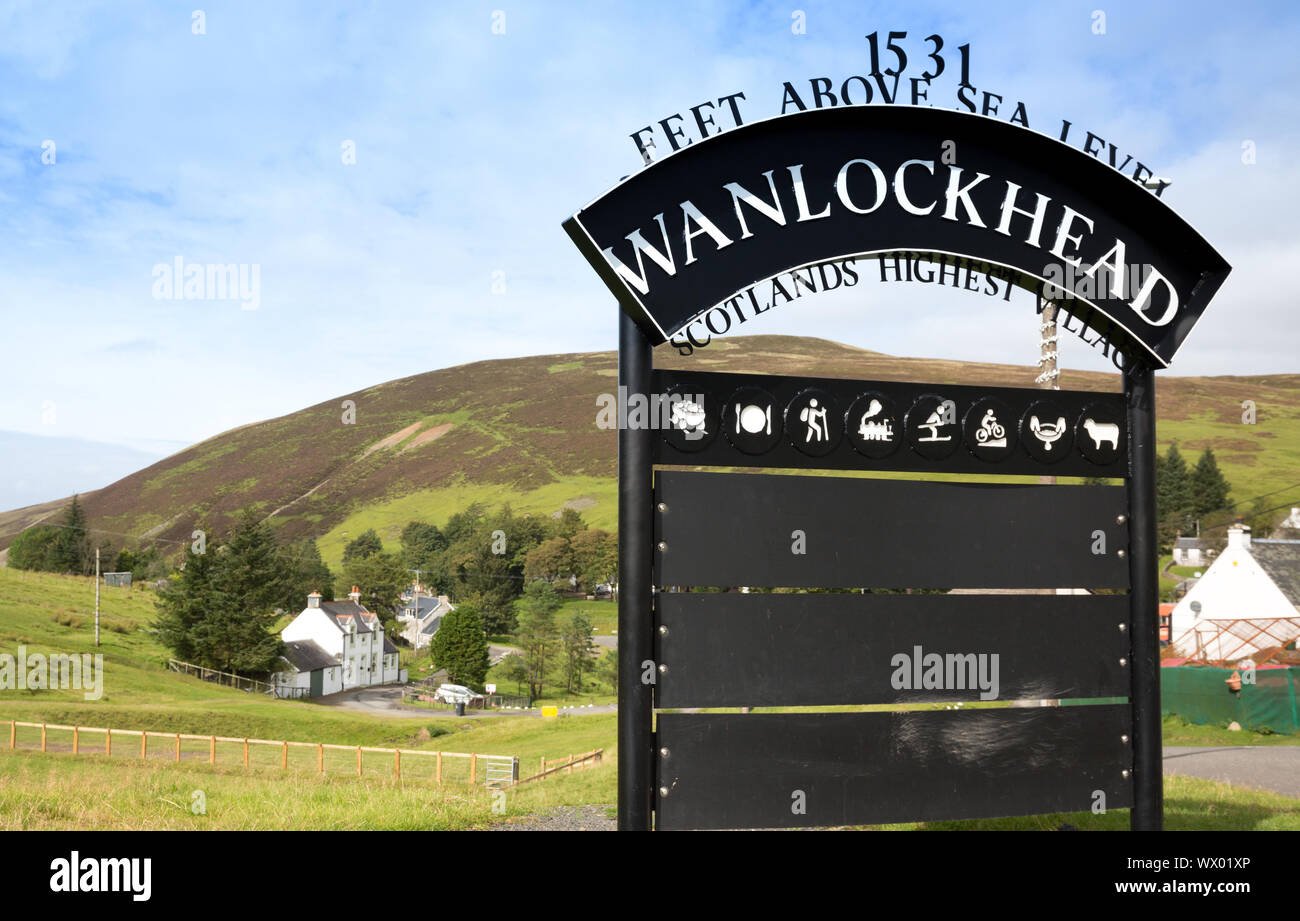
663	791
1123	627
1121	554
1120	519
1123	738
663	545
663	630
664	753
1124	772
663	506
663	669
1121	662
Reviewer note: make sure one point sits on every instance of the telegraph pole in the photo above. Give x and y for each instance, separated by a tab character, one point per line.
96	596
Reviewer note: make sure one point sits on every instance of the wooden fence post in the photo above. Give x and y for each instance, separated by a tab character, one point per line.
358	760
144	745
212	750
13	733
108	743
397	763
438	778
42	737
473	769
76	740
320	757
245	753
178	748
543	764
284	757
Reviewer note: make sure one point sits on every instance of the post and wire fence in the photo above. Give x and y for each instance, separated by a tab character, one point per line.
437	767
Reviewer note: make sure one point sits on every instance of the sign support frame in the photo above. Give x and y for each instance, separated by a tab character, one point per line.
635	616
1144	620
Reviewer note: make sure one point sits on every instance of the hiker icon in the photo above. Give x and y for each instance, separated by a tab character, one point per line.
815	417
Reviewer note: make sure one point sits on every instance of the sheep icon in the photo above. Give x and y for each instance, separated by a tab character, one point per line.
1102	432
1046	432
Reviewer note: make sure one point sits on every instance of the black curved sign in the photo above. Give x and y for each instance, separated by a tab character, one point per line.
693	230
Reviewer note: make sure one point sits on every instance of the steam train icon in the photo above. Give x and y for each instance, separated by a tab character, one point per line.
1047	432
875	426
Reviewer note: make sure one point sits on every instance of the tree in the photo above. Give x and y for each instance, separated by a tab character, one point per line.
34	548
183	604
512	669
1208	487
71	551
568	523
1173	496
423	548
550	560
595	558
367	544
1261	518
237	633
460	646
219	611
606	669
381	578
537	634
305	572
578	647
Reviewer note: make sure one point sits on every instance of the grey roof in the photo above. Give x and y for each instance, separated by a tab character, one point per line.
335	609
432	626
1188	543
1281	560
389	648
307	656
428	605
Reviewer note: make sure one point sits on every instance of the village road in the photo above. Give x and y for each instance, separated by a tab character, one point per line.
1273	767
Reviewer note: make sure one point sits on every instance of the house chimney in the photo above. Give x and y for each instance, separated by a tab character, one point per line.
1239	536
355	595
313	600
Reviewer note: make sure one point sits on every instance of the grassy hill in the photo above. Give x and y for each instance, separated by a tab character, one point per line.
523	431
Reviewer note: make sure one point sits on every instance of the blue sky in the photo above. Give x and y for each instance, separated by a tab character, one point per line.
472	147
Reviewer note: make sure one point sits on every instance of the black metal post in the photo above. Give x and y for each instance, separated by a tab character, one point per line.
635	624
1144	610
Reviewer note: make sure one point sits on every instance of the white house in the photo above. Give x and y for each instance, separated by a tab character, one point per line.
337	645
422	617
1189	552
1246	601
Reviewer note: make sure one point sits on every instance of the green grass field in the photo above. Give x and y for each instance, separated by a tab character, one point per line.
53	791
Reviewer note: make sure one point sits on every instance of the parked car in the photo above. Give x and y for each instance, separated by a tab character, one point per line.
455	693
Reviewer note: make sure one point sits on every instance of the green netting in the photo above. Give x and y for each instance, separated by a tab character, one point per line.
1200	694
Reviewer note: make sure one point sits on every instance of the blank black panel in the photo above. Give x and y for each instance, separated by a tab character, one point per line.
759	770
733	649
724	529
